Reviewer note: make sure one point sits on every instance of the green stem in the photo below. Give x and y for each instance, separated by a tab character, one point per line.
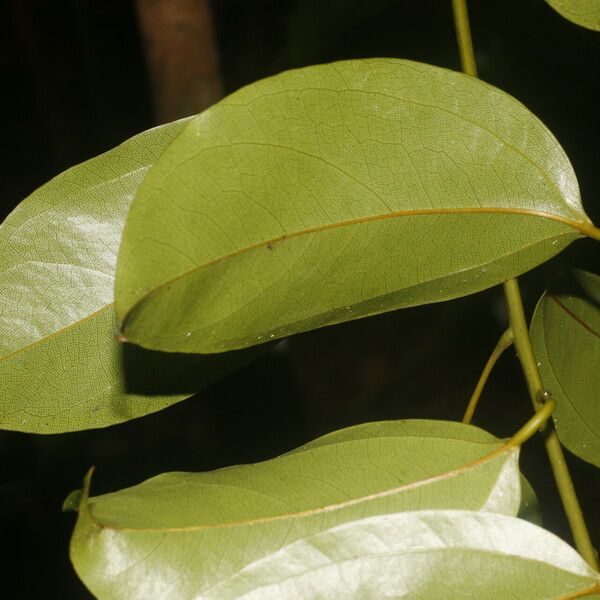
535	424
463	37
505	341
522	342
591	591
564	483
590	230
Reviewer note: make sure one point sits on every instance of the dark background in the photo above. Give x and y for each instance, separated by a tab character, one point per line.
76	84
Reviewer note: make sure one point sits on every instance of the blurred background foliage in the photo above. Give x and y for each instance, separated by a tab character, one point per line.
78	79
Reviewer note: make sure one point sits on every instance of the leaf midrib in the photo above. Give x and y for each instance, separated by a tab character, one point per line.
36	196
581	227
572	404
506	448
575	317
265	243
60	331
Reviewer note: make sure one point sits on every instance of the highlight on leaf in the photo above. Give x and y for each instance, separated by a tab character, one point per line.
448	554
182	534
61	367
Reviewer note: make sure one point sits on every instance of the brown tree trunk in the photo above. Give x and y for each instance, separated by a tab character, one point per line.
181	54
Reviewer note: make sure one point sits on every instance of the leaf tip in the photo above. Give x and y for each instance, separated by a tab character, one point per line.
87	480
75	498
71	503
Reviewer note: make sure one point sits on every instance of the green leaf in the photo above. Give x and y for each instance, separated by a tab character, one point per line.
582	12
446	554
180	534
335	192
72	501
61	368
565	332
530	506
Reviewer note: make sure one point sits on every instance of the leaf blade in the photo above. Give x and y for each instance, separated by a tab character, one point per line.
240	514
61	368
565	333
424	554
581	12
313	197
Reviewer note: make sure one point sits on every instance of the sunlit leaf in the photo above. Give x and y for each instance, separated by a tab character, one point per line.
583	12
180	534
61	368
446	554
565	332
334	192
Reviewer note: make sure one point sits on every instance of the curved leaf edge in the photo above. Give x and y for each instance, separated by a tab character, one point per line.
539	320
588	20
584	228
502	448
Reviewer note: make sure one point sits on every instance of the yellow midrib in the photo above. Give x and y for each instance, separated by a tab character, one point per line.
504	448
574	317
584	228
64	329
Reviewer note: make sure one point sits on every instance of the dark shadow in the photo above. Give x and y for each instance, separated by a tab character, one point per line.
150	372
573	283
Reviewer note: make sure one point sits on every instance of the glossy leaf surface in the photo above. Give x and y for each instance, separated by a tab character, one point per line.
335	192
180	534
426	554
583	12
565	332
61	368
446	554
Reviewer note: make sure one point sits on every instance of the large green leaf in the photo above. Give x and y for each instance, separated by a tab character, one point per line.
565	332
179	534
430	554
583	12
61	367
334	192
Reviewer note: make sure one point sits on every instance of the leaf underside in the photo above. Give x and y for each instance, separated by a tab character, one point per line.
183	534
448	554
565	332
582	12
61	367
335	192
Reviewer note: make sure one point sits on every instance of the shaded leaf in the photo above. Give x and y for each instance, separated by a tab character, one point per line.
335	192
61	368
530	506
180	534
582	12
72	501
565	333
